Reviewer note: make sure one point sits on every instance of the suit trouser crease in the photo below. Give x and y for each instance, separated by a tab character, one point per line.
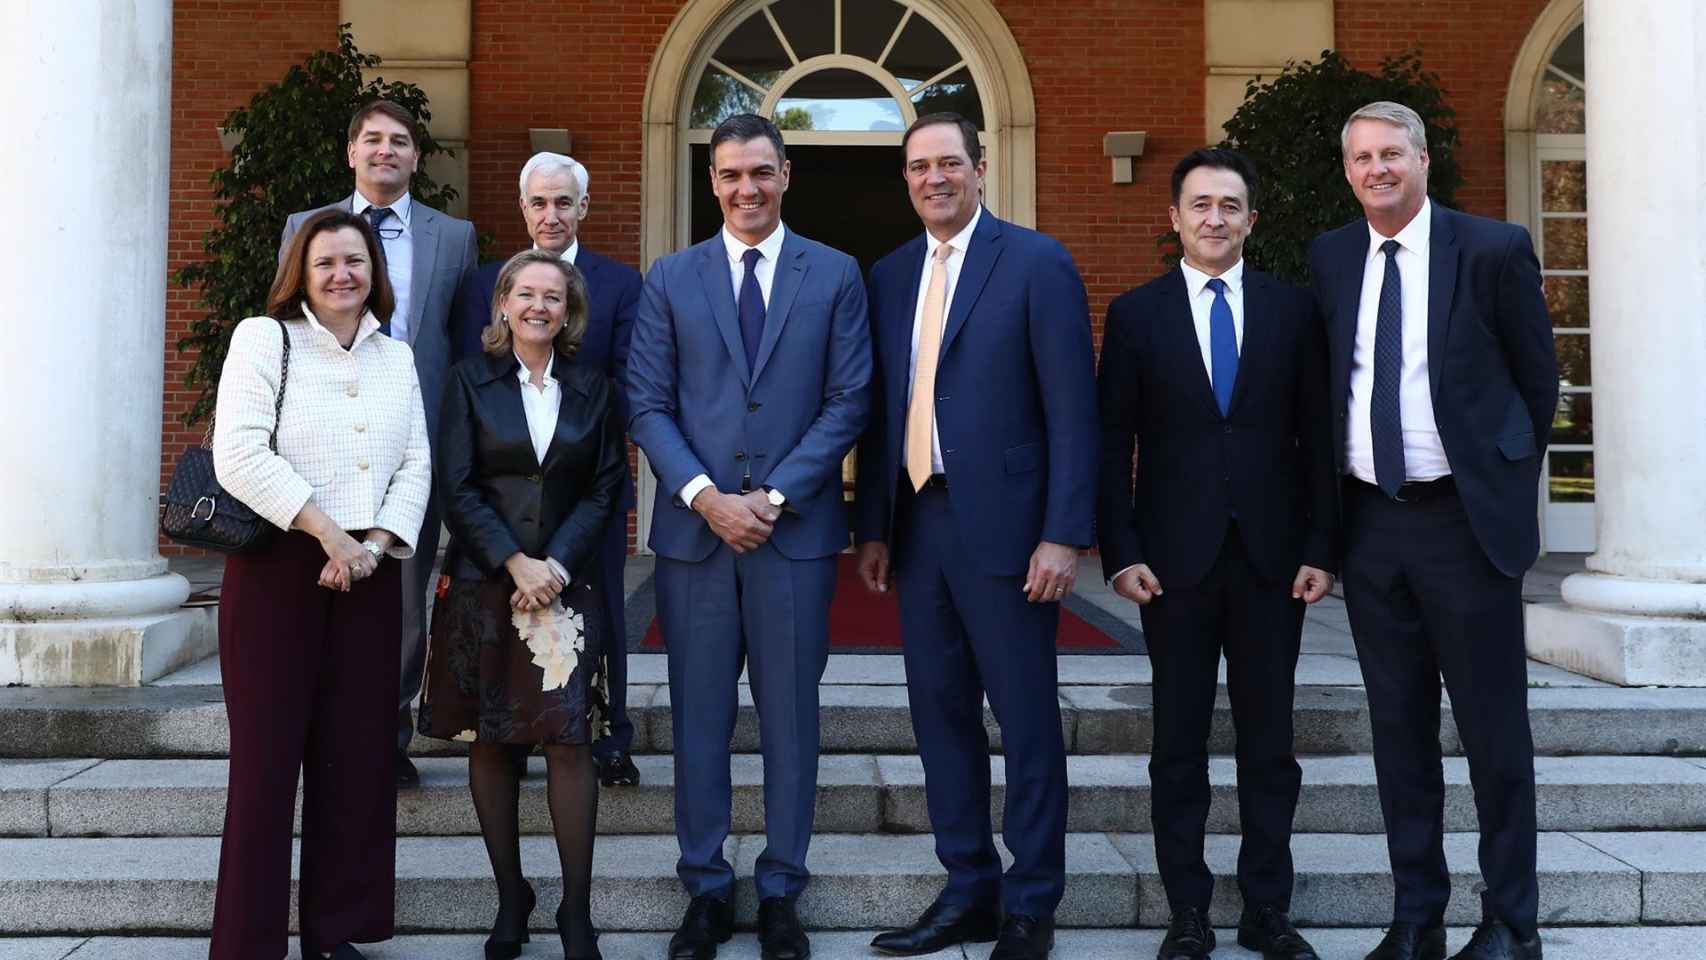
770	614
1258	626
308	675
968	635
1425	603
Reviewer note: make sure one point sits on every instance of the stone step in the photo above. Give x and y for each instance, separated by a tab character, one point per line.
94	886
856	794
1562	943
189	721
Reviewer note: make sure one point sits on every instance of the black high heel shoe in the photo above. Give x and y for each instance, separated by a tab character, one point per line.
568	948
499	948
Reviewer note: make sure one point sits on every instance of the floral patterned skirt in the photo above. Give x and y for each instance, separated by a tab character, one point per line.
485	682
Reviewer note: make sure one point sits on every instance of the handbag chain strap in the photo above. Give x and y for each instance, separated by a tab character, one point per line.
278	402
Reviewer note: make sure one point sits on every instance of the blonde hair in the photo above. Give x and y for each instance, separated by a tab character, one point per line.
496	337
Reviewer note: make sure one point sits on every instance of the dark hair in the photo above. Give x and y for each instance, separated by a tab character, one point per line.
389	108
290	285
747	126
497	339
1219	158
968	131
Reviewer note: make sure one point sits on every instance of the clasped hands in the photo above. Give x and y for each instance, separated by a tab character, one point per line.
741	520
1139	584
348	561
536	584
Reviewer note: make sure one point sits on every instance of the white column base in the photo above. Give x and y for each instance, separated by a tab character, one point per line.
116	651
1627	650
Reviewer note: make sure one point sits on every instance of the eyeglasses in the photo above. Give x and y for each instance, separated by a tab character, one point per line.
389	233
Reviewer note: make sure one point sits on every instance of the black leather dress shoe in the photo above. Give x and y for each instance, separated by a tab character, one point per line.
408	777
780	936
1410	941
1189	937
707	923
1269	932
942	925
1493	940
1024	938
617	770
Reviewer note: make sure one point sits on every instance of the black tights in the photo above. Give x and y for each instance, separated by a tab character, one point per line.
572	794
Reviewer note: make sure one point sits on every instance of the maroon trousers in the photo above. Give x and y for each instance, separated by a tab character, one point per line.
310	685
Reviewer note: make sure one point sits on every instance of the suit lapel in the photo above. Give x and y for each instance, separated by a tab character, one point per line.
425	243
719	293
1187	349
1257	333
1442	283
784	287
1343	333
985	249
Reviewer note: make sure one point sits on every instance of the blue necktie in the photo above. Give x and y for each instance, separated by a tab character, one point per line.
375	217
1385	421
751	307
1222	346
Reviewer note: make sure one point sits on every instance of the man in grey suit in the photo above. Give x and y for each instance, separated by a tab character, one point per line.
427	256
748	383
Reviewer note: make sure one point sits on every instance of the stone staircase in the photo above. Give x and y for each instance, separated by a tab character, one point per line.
112	801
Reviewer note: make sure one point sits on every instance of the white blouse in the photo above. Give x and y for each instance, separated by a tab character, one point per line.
352	434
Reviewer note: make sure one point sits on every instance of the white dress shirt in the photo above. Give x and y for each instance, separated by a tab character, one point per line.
1202	301
568	256
352	435
399	260
541	404
959	242
1424	455
765	270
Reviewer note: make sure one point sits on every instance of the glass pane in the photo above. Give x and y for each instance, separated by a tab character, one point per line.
719	97
1566	243
867	25
1563	107
1574	355
955	92
809	25
838	100
1571	479
1570	55
753	50
1564	186
1567	301
920	53
1574	420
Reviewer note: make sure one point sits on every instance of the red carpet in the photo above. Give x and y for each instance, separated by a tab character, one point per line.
863	622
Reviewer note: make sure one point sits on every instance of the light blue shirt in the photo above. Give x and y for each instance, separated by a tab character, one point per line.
399	260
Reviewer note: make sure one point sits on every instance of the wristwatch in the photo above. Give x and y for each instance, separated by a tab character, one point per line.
373	549
774	496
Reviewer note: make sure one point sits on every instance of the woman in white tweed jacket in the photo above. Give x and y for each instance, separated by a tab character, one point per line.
309	629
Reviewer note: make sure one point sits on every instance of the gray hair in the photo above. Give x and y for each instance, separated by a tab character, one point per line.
547	162
1387	112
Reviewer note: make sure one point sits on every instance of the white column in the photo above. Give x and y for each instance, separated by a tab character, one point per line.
84	594
1638	615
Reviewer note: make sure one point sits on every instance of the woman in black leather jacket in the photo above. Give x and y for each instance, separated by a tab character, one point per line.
530	462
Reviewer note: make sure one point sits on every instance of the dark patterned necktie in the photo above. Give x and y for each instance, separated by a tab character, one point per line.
1222	346
1386	423
375	217
751	307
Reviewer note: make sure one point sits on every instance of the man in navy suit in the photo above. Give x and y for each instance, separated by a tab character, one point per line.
1444	384
977	485
428	255
554	202
749	382
1219	374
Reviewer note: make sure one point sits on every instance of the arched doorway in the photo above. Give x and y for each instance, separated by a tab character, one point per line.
1546	164
842	78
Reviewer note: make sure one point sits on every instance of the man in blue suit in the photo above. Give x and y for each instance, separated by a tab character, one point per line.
748	381
554	203
977	486
428	255
1445	384
1217	373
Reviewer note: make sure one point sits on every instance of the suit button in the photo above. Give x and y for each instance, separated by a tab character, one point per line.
354	390
533	478
740	456
1226	429
753	406
361	428
362	465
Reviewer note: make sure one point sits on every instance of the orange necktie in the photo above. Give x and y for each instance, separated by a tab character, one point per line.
921	412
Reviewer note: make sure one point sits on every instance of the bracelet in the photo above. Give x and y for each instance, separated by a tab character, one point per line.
373	550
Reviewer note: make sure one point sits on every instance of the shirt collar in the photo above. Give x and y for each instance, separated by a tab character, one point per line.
1414	236
402	209
1196	280
568	256
770	247
961	241
550	364
367	326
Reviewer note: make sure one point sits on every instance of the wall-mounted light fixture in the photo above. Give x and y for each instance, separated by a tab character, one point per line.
229	139
550	140
1123	147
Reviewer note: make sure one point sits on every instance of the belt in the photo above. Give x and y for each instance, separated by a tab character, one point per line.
1414	491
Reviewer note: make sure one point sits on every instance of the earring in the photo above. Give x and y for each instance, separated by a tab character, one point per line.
503	317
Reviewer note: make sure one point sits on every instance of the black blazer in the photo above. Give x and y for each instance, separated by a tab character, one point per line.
1268	462
1492	369
497	498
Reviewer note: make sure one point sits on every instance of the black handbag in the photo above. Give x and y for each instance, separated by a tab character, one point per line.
199	513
